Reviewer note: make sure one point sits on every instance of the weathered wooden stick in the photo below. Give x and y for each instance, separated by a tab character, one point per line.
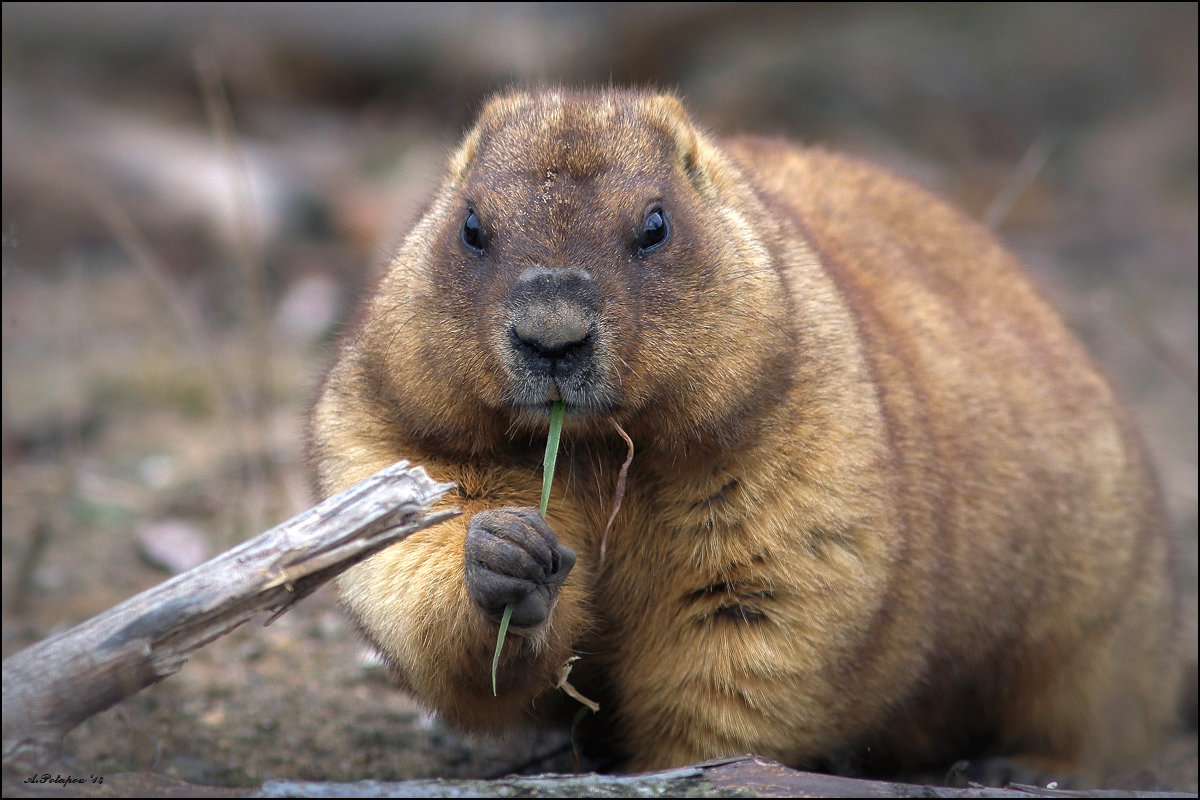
52	686
740	776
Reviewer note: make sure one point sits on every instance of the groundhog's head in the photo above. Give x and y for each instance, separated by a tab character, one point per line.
595	248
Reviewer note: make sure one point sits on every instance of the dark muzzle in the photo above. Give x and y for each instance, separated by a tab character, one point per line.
552	321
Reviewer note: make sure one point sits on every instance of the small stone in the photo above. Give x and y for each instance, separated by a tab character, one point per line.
173	545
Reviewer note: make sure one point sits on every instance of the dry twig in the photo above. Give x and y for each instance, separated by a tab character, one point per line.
52	686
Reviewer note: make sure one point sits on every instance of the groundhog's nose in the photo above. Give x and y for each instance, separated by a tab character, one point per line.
552	314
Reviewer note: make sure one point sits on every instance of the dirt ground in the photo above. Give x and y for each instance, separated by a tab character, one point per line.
169	302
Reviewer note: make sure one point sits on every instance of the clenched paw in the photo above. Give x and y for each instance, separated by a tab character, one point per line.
512	556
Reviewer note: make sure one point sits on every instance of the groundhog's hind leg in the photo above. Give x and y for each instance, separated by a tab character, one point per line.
1101	710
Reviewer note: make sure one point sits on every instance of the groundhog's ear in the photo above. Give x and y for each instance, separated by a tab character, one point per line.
499	106
465	154
674	119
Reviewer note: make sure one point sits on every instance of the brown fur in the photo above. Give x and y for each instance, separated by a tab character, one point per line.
883	511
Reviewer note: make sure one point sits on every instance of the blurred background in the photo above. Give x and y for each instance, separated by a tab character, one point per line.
195	195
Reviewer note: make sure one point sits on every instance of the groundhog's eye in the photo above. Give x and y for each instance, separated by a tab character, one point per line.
655	230
472	232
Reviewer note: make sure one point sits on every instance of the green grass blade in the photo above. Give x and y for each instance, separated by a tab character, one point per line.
556	421
508	609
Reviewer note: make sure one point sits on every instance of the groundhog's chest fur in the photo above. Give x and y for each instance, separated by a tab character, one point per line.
882	511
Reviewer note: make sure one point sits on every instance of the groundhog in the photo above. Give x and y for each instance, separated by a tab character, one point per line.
882	513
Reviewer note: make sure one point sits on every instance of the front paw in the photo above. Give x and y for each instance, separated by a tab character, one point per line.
512	556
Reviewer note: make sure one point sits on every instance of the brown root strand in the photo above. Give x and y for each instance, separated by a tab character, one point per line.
620	495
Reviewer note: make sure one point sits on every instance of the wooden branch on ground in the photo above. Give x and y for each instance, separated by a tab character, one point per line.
741	776
52	686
